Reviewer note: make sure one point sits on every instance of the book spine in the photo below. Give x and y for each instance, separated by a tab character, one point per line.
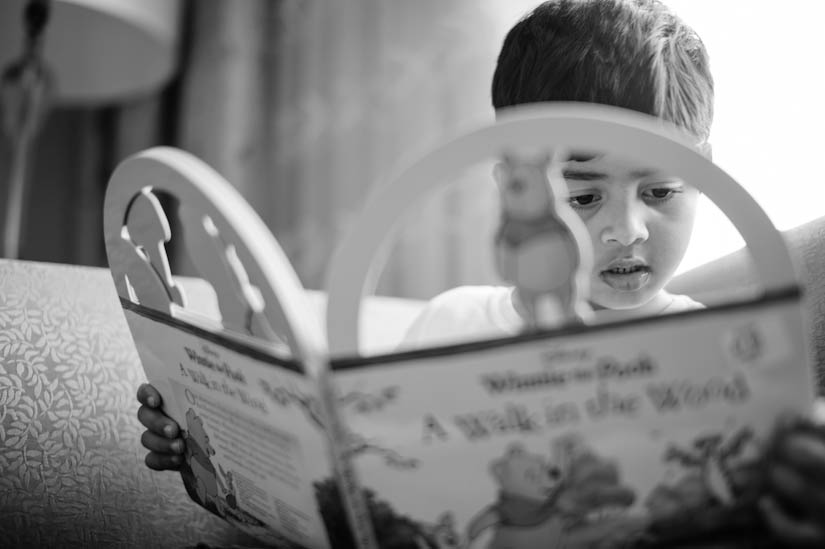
352	493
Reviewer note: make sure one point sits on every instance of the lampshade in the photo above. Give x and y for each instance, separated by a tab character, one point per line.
100	50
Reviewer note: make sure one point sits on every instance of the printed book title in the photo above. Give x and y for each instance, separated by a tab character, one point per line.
608	399
206	369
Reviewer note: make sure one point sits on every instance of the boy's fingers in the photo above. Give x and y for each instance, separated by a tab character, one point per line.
163	462
791	531
818	415
791	487
805	453
148	395
158	422
160	444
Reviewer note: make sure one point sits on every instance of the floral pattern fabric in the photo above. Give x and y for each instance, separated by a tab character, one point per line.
71	462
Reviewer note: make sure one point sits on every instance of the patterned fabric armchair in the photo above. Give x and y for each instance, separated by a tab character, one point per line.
71	462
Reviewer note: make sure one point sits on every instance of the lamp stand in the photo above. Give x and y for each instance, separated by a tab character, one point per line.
25	87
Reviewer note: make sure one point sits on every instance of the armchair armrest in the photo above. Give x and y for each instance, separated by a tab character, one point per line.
734	276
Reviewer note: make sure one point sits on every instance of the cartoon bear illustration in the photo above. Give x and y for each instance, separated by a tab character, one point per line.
592	483
575	500
542	246
198	452
439	535
525	514
593	499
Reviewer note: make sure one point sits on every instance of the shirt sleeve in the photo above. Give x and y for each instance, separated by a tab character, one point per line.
682	303
437	322
458	315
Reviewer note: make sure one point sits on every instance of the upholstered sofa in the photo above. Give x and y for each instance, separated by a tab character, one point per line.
71	463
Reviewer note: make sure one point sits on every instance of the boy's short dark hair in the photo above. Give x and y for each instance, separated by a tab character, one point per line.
634	54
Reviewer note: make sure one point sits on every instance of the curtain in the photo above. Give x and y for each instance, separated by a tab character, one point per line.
110	63
305	105
72	158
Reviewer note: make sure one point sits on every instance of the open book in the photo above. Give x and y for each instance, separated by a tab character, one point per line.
636	434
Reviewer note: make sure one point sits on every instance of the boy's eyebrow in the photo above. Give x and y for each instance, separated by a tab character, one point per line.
583	156
593	175
583	175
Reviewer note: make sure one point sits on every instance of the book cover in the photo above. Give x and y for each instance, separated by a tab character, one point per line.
641	433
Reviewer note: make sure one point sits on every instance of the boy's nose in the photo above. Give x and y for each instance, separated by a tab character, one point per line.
625	226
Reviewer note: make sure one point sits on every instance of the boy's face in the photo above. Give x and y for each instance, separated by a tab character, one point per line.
640	223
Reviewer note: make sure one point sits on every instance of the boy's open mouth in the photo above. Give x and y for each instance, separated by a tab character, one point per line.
626	275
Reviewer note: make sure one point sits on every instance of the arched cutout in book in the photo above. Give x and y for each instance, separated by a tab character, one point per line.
258	293
636	138
661	406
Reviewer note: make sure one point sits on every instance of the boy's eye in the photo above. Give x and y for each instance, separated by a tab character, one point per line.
584	200
661	193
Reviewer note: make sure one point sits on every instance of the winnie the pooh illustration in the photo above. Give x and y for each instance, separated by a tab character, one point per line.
439	535
594	499
198	453
574	500
525	513
592	483
541	246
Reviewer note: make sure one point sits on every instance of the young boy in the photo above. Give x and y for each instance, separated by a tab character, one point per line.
637	55
634	55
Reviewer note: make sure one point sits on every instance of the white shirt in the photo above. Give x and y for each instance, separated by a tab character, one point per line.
470	313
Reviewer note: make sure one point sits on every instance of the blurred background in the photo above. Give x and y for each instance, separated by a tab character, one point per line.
304	105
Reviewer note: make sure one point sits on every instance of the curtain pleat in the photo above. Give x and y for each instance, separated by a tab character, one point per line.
304	105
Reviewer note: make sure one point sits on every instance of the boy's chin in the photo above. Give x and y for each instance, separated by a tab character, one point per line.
623	301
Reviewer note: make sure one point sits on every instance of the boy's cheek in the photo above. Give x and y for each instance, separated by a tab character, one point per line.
689	203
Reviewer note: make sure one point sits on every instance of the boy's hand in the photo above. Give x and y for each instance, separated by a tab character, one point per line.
162	436
794	506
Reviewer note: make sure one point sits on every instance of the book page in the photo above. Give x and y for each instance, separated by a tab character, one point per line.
648	431
254	445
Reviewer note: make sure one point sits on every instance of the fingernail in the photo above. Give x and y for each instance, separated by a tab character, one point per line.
152	401
177	459
177	446
169	431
